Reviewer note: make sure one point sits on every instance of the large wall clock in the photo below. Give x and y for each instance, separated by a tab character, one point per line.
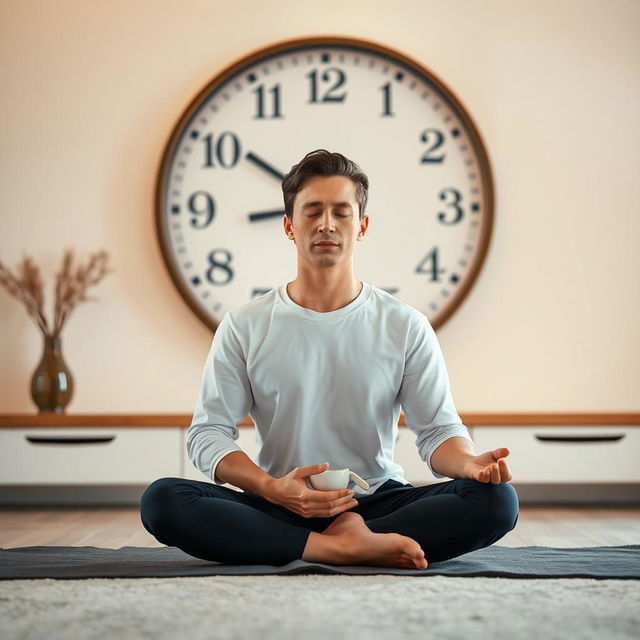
219	204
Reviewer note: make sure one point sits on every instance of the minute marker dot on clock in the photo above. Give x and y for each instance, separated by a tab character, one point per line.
475	207
251	77
325	57
455	133
196	280
175	209
454	278
400	77
195	134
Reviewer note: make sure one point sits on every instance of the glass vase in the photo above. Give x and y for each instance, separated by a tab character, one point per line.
52	382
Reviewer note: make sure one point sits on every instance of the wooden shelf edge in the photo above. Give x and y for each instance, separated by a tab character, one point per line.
184	419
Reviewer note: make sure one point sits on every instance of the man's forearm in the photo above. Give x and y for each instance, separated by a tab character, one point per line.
451	456
238	469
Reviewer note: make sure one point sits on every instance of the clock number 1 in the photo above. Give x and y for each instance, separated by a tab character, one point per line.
386	90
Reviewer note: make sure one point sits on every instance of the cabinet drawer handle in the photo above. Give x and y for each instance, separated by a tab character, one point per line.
613	438
69	439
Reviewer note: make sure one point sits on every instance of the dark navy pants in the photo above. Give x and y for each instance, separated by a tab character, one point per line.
220	524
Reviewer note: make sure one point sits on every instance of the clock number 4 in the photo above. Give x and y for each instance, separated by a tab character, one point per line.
431	269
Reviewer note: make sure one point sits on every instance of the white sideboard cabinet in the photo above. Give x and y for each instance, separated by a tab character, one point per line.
110	459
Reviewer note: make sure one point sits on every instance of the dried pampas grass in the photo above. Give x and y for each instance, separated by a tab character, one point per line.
70	288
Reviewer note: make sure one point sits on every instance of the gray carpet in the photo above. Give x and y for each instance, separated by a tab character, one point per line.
620	562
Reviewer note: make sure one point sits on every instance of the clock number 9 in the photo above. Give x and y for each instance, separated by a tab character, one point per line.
208	211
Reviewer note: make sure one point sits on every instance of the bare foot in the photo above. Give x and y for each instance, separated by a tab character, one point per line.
348	540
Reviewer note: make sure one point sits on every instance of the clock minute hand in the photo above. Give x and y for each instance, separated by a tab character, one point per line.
263	164
259	162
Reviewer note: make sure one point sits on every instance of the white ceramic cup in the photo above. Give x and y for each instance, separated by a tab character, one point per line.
332	479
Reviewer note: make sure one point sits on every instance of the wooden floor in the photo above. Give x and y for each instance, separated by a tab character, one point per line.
116	527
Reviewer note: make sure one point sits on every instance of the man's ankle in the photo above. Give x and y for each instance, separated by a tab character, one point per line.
323	548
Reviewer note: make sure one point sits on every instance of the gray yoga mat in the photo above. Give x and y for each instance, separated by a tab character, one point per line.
621	562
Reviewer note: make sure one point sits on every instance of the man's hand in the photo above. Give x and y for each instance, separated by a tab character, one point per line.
291	491
489	467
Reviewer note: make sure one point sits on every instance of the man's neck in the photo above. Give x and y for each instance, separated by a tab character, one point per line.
323	296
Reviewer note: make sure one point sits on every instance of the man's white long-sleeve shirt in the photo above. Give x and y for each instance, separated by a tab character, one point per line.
324	387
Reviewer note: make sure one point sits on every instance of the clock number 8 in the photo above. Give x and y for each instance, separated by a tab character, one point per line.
219	266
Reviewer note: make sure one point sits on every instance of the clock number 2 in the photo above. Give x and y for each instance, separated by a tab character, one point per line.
424	137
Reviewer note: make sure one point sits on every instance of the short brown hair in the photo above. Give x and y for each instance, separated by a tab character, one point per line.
323	163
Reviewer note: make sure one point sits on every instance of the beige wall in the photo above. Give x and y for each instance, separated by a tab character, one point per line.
91	90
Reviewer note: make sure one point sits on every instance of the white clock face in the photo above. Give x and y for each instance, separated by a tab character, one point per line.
219	205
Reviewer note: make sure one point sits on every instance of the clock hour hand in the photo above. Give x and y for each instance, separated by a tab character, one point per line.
263	164
262	215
